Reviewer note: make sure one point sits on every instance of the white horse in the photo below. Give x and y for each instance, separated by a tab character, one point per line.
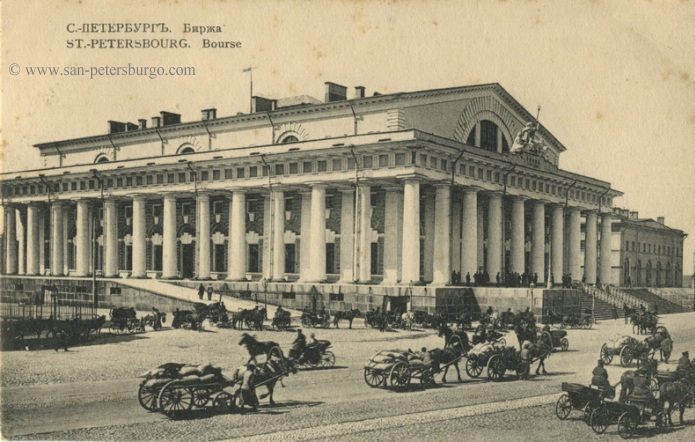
408	319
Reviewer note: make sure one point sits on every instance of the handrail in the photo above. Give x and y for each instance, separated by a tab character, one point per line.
612	295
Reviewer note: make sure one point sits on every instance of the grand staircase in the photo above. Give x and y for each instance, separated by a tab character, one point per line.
602	310
650	300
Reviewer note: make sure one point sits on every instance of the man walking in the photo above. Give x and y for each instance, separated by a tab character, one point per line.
209	292
201	291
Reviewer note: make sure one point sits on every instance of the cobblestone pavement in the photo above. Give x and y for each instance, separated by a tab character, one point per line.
89	393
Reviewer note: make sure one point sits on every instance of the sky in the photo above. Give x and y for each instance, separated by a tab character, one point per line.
615	79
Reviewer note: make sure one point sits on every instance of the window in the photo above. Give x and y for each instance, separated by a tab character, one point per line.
488	175
289	139
279	169
336	297
186	209
254	259
400	159
204	175
290	258
330	258
443	164
215	174
156	210
513	181
307	166
228	174
337	164
150	179
322	166
288	295
182	177
240	172
114	290
471	171
294	168
383	160
423	160
73	185
170	179
351	163
185	150
101	159
138	180
433	162
253	172
367	162
471	138
218	207
488	135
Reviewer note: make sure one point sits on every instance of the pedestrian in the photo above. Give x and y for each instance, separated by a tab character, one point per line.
209	292
615	312
201	291
626	311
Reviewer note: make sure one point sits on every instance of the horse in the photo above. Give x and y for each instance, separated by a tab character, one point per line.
407	320
628	377
348	315
643	322
674	393
256	347
450	337
268	374
447	356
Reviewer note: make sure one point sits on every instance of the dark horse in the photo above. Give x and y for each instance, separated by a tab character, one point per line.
252	318
458	339
447	357
675	394
256	347
268	374
348	315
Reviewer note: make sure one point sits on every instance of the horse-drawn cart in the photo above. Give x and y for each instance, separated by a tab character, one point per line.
317	355
628	416
557	339
478	357
625	347
579	397
396	369
124	320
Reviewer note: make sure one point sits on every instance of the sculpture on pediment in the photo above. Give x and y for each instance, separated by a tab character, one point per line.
526	139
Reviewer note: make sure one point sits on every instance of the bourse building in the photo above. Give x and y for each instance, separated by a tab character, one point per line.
386	190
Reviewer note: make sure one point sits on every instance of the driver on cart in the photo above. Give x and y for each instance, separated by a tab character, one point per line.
641	392
248	387
298	345
599	378
684	367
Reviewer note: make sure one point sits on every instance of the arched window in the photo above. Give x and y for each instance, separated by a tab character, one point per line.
183	150
491	136
101	158
289	139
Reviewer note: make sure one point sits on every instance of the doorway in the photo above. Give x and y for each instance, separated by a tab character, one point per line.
187	260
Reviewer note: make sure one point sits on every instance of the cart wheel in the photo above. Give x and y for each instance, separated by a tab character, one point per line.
427	378
495	368
224	402
599	420
473	368
328	359
625	356
626	425
564	344
606	355
563	407
587	413
400	375
147	396
373	377
201	396
174	399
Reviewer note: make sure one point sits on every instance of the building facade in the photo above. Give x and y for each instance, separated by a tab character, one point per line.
648	252
406	188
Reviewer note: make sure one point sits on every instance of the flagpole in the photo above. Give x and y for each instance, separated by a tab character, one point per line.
250	71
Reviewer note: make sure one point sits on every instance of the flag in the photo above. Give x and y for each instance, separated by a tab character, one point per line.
246	70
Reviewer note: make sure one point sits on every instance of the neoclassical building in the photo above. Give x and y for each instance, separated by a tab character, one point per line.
403	188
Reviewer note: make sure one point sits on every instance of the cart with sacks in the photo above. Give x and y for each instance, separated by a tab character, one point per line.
479	356
174	388
397	369
626	348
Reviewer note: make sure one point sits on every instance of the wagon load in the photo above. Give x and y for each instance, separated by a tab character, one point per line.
157	378
479	349
396	368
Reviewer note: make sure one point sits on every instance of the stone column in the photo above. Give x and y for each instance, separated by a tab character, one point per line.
456	249
538	241
139	269
574	244
557	247
202	235
83	239
365	245
110	238
606	267
278	234
56	239
305	233
442	236
347	235
494	236
169	264
410	271
469	260
21	227
590	248
480	230
66	221
33	251
517	234
11	241
317	251
236	240
393	232
267	236
427	202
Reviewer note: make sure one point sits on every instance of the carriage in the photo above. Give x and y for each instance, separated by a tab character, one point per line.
317	355
187	319
477	359
625	347
579	397
124	320
396	369
281	320
503	360
584	319
311	319
628	416
644	322
557	339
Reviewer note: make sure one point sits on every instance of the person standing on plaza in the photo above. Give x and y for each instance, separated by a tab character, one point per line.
209	292
201	291
626	311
